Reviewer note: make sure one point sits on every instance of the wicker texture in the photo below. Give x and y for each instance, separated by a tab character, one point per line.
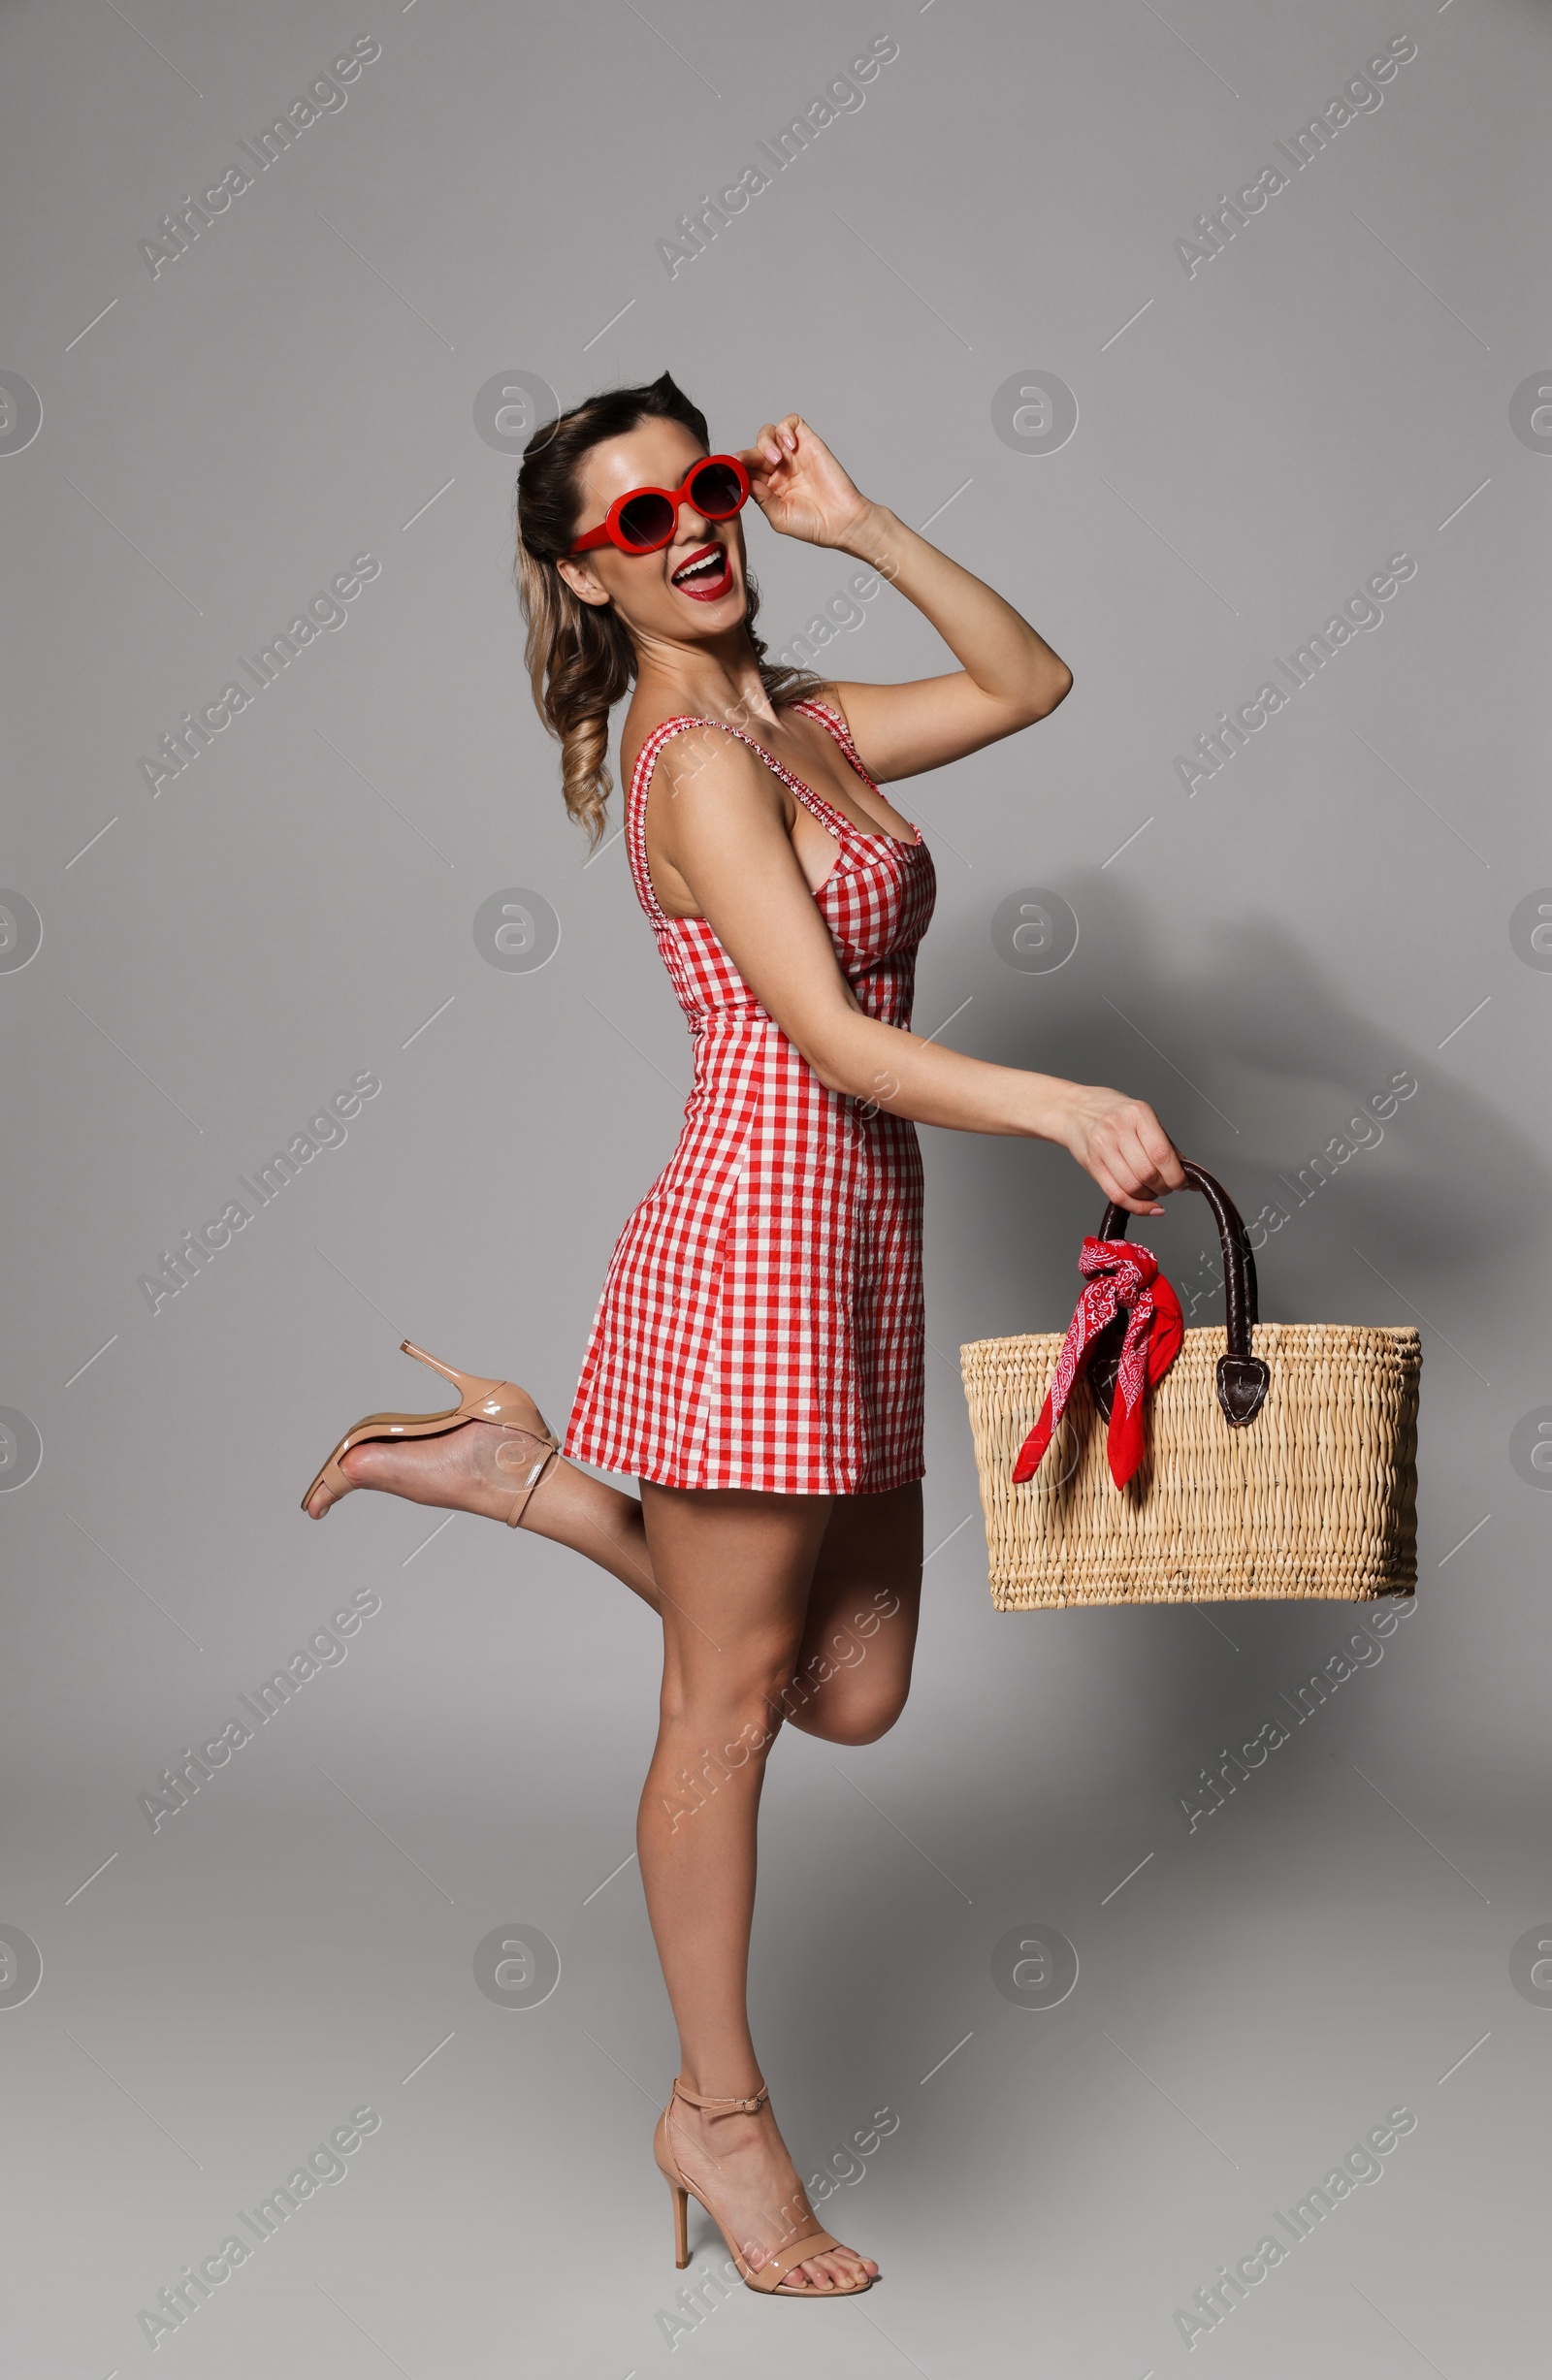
1316	1498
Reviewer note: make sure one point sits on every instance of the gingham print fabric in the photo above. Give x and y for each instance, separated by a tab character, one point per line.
762	1320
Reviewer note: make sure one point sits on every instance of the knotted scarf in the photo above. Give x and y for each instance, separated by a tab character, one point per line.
1119	1277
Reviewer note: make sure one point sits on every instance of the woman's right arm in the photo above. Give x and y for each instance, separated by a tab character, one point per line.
723	828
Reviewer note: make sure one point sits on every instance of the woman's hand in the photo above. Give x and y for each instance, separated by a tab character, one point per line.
799	486
1121	1142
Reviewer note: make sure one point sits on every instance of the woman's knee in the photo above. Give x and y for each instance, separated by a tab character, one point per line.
850	1708
734	1696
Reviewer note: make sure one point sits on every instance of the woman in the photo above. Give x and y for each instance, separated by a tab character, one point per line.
756	1360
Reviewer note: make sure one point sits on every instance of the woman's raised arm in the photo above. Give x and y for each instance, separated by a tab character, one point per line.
1010	676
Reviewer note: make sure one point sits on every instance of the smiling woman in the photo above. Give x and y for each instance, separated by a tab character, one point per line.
579	653
757	1356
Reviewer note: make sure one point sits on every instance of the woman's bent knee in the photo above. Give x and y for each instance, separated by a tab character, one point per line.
849	1717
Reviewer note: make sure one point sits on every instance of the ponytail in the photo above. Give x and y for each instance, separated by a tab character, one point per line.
581	661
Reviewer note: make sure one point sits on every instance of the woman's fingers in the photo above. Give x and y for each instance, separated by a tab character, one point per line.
1144	1152
1115	1189
774	442
1132	1158
1122	1145
1132	1206
1162	1152
1144	1174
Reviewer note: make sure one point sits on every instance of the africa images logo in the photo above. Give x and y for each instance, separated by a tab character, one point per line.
180	1266
1362	2165
697	227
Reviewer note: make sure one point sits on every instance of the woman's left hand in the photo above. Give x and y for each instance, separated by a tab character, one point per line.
799	486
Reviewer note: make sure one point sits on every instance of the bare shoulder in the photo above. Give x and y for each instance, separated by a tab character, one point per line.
708	785
829	696
637	732
720	828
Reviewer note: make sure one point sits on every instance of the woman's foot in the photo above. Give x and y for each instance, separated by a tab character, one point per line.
475	1468
741	2164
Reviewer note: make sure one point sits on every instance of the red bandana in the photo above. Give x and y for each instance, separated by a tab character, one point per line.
1118	1274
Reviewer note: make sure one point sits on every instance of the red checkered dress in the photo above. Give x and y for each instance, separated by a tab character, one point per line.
762	1320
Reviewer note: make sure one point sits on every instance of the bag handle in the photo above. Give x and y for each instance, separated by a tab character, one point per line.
1242	1378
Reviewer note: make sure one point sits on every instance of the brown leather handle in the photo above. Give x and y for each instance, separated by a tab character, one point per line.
1242	1378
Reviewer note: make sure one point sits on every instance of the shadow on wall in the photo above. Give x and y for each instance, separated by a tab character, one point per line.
1284	1068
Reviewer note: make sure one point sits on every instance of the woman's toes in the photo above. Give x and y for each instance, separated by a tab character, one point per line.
830	2272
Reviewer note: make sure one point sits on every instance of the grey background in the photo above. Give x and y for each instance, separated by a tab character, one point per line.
298	907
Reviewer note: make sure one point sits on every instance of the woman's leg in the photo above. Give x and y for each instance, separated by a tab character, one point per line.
852	1670
734	1572
478	1469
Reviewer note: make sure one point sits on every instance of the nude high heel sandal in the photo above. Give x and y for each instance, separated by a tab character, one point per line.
774	2270
499	1403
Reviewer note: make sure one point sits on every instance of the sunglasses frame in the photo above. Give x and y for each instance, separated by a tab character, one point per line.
610	532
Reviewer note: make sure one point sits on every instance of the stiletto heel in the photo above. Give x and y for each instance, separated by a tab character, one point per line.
770	2277
501	1403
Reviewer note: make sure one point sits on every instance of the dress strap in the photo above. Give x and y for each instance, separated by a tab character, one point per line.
635	812
641	779
840	731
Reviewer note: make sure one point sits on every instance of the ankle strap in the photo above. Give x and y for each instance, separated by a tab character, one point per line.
739	2106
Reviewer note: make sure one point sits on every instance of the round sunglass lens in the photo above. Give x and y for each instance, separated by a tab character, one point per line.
716	491
647	520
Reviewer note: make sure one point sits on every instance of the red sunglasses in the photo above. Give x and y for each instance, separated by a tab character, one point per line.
644	520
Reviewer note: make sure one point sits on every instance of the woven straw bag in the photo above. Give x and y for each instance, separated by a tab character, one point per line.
1280	1460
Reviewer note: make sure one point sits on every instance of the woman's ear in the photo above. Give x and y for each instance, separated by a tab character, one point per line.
583	581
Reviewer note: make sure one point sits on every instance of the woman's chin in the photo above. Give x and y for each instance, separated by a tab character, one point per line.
695	619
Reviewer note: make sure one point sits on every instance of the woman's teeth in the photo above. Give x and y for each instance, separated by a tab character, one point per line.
711	567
